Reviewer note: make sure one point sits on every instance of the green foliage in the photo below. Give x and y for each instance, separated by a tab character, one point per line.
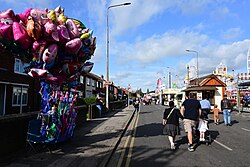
80	101
89	100
86	101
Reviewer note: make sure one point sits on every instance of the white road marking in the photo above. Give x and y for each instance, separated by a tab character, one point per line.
245	129
226	147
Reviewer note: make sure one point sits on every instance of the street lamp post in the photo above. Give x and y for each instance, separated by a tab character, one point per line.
188	50
107	56
169	83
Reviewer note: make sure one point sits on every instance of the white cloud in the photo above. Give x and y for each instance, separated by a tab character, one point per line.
159	49
134	15
155	48
232	33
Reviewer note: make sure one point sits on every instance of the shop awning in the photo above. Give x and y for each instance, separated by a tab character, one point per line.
200	88
244	84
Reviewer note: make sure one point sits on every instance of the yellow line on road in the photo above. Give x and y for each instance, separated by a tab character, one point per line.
132	141
125	146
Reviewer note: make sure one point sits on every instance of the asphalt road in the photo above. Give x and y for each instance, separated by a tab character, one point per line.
144	145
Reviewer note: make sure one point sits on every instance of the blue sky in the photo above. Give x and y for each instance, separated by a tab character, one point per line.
149	37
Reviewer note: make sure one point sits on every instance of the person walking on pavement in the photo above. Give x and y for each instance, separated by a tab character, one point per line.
99	104
136	104
205	108
191	110
226	109
216	111
170	121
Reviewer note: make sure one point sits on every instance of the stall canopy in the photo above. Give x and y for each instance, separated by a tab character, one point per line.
244	83
200	88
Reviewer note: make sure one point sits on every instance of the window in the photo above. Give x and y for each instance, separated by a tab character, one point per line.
93	83
20	96
81	79
88	81
19	66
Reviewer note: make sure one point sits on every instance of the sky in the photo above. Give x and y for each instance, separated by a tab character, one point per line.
149	38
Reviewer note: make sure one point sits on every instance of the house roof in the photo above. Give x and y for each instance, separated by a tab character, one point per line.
208	80
94	76
198	88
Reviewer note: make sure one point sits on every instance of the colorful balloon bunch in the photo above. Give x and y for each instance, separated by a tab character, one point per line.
58	49
56	46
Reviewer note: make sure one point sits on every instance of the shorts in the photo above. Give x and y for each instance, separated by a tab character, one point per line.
189	125
171	130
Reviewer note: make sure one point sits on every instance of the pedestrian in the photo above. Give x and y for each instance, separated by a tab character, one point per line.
191	110
202	127
136	104
99	103
226	107
205	108
216	112
170	121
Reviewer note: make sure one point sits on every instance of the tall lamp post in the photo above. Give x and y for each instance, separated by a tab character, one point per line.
188	50
107	56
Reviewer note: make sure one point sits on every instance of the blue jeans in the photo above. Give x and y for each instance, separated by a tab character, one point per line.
227	116
136	109
99	109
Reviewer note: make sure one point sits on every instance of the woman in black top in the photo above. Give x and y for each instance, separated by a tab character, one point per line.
171	121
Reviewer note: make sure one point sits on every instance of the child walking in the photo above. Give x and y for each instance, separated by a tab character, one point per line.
171	123
216	112
202	127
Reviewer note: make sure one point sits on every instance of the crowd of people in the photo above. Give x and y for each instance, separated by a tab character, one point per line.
194	115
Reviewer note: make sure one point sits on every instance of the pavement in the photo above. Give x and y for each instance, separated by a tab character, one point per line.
93	144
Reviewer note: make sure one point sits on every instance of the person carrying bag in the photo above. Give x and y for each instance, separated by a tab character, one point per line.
171	123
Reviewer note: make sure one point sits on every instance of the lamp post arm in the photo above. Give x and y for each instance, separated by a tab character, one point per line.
188	50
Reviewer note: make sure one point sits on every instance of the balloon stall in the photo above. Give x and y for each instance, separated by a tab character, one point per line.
58	49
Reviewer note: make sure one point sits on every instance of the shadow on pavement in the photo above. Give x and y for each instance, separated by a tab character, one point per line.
83	140
155	130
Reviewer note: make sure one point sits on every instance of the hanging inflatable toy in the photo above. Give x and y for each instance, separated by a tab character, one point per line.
49	56
23	17
52	16
51	33
7	19
71	68
87	67
34	29
72	29
39	15
81	27
21	36
62	19
73	46
63	34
